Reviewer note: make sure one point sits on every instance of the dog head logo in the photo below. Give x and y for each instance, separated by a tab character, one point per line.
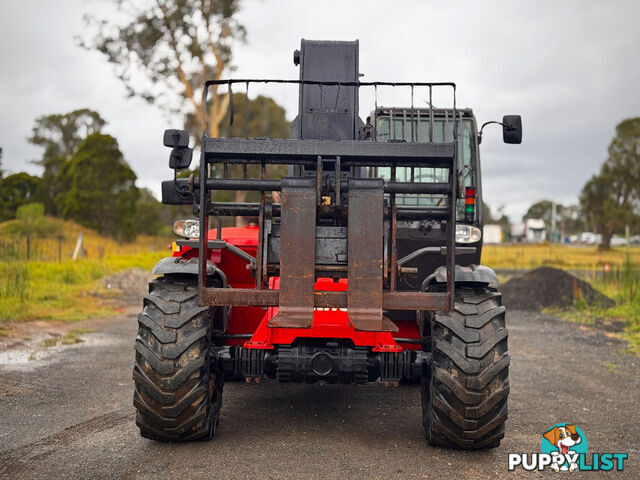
563	438
564	442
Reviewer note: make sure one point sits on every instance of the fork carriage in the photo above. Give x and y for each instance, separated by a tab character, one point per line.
343	228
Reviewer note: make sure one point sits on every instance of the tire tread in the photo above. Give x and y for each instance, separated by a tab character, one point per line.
172	374
465	396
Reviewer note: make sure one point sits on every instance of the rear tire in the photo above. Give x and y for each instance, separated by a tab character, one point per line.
464	396
177	394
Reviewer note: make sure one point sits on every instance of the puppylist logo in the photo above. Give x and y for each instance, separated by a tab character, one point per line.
564	449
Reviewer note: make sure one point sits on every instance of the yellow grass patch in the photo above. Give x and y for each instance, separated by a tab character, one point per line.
525	256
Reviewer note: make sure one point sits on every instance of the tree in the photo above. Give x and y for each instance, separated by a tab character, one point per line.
258	117
624	154
541	209
16	190
174	46
610	198
60	135
101	188
31	224
499	219
151	216
568	219
572	220
487	215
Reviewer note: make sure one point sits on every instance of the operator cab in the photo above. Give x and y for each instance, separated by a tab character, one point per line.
437	126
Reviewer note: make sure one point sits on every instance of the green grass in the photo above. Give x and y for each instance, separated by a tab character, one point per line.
68	290
51	286
622	283
623	286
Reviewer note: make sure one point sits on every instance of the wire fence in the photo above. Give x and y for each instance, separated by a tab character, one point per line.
59	249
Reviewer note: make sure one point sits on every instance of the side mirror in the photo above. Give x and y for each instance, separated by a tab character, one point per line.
176	138
180	158
512	129
181	153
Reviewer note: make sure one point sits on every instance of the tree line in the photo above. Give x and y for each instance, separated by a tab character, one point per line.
163	53
85	177
609	202
610	199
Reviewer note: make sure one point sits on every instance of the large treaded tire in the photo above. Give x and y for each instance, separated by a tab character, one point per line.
464	396
177	395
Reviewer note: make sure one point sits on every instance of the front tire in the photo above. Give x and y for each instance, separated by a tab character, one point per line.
464	396
177	394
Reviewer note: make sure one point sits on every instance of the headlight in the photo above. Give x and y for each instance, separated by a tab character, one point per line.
187	228
467	234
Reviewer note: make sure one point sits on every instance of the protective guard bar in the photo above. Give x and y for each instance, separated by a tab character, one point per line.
232	209
306	152
268	185
329	83
349	153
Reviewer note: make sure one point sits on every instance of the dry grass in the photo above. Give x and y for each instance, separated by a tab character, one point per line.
60	247
47	289
523	256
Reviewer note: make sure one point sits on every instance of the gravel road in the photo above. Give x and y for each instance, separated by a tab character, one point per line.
67	413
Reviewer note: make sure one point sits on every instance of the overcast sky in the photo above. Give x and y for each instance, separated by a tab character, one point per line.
570	68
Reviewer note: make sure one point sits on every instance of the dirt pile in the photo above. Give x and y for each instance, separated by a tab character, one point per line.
131	283
547	287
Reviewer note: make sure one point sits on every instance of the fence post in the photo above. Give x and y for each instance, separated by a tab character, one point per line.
78	247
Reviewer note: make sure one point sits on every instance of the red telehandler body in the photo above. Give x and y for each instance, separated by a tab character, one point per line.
367	270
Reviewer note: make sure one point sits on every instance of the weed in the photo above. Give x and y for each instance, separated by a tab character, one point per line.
70	338
50	342
60	290
14	280
73	336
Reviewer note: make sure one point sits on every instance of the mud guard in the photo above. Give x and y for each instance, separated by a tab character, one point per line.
471	274
179	265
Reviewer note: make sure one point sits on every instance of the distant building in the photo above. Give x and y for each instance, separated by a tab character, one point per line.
533	230
492	234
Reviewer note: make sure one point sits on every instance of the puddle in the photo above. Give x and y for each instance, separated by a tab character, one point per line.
47	350
17	357
27	360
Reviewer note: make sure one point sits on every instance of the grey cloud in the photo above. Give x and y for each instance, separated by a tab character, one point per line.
570	68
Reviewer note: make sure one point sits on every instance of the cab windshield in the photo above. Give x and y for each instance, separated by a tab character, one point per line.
401	130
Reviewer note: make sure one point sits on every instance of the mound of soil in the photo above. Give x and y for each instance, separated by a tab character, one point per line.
131	283
548	287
